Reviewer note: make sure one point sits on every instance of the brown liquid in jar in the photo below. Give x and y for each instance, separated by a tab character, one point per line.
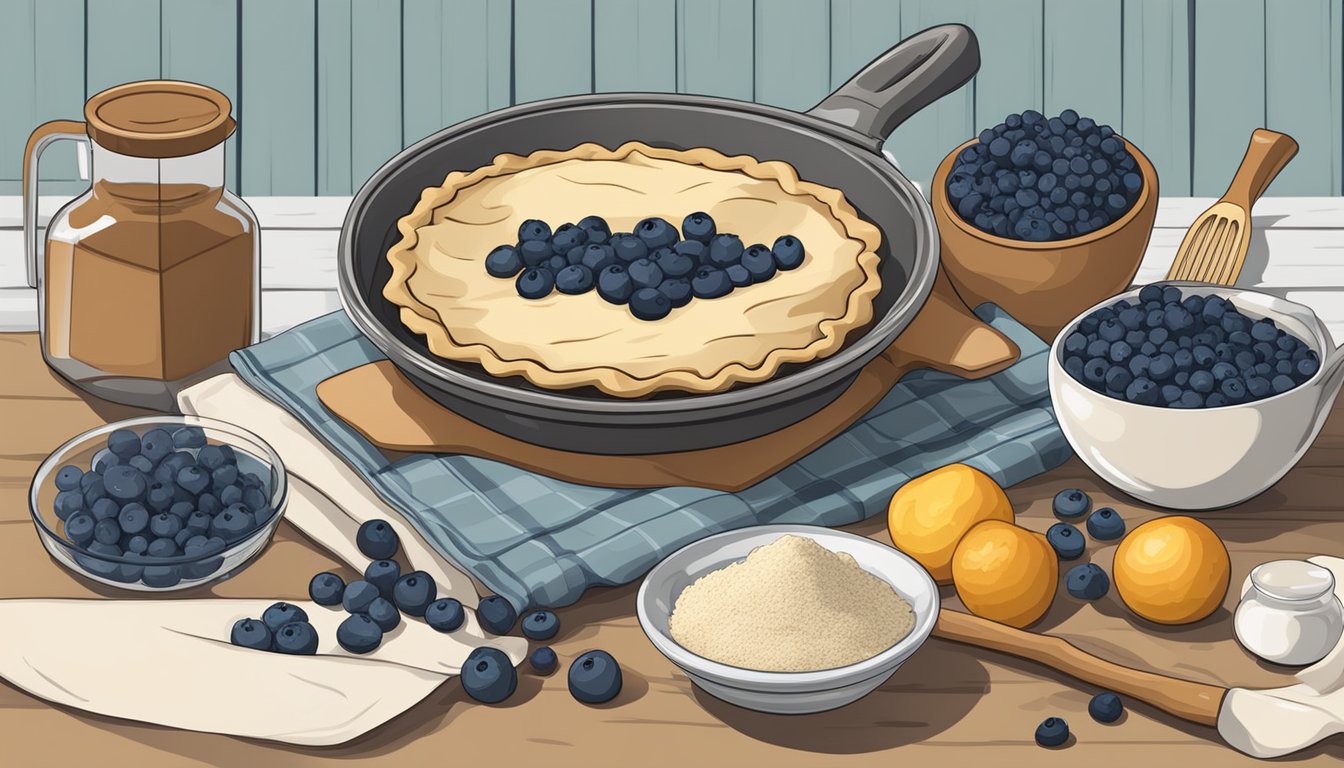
163	291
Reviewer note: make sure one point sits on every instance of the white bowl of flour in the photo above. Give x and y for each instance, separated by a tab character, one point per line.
788	619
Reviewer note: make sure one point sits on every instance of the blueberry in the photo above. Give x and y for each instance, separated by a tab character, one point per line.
1111	330
1052	732
156	444
1105	524
711	283
503	261
414	592
1139	364
594	678
358	595
1222	371
595	227
1071	503
296	637
594	257
183	538
123	443
999	148
159	497
445	615
535	283
533	229
1087	582
574	279
677	290
133	518
1067	541
649	304
162	576
197	522
496	615
698	227
67	478
326	588
488	676
79	528
645	273
1142	391
788	252
1306	368
1099	348
1161	367
68	503
1118	378
1105	707
759	262
1189	399
163	547
543	661
1281	384
656	232
384	614
163	525
189	437
377	540
628	248
738	275
1094	372
212	457
534	253
222	477
1202	382
359	634
383	574
614	284
1150	292
251	633
125	483
673	263
540	625
725	250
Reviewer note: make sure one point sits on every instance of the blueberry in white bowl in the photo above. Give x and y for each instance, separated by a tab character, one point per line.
140	515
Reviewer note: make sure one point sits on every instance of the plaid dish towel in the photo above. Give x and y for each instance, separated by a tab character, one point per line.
541	542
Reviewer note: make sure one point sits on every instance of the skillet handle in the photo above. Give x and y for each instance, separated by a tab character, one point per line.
910	76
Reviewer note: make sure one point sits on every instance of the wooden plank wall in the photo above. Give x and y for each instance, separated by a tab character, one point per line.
327	90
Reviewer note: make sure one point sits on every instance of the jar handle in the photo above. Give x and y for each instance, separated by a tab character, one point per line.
44	136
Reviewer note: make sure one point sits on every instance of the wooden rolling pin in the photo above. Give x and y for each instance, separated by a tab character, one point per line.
1196	702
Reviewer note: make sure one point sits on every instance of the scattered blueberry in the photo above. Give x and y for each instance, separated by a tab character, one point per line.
1067	541
359	633
445	615
280	614
384	614
488	676
594	678
326	588
788	252
414	592
1052	732
377	540
543	661
383	574
1105	525
1087	581
540	625
496	614
251	633
358	595
296	637
1071	503
1105	707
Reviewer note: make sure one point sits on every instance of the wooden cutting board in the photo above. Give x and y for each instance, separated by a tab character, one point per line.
379	402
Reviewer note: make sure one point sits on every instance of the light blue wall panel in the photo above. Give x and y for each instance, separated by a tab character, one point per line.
445	84
1011	54
334	92
123	43
279	115
860	30
200	44
716	48
1302	91
1229	88
555	42
1083	59
793	59
635	45
1156	89
375	86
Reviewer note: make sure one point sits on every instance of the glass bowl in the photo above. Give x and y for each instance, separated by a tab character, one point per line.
142	572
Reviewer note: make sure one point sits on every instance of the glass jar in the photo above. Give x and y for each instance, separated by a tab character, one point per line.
152	275
1290	615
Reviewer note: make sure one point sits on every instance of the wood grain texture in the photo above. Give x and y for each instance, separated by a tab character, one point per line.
1156	86
279	115
558	38
635	45
1302	91
1229	88
200	44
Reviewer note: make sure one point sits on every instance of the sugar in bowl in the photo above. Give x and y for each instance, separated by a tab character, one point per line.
1289	614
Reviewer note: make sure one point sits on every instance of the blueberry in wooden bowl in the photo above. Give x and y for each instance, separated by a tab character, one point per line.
1044	216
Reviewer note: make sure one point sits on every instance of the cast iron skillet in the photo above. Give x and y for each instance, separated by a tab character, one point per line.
837	143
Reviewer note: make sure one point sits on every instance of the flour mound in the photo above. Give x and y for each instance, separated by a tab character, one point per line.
791	606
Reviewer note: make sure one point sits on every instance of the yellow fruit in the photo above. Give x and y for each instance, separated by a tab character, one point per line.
930	514
1005	573
1172	570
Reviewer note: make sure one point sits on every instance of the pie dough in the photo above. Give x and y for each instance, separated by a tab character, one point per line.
565	341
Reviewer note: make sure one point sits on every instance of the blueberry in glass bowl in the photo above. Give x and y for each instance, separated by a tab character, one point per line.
1209	427
101	475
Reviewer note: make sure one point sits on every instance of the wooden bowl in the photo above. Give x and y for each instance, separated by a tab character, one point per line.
1044	285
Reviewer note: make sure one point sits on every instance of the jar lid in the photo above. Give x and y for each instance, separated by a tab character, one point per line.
1292	579
159	118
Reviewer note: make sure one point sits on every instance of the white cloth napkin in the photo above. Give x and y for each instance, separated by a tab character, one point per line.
211	685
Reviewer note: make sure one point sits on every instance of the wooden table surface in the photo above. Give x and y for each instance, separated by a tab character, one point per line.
950	704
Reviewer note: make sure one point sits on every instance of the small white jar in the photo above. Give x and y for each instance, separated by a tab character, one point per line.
1290	614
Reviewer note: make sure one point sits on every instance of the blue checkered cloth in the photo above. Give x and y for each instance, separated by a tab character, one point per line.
541	542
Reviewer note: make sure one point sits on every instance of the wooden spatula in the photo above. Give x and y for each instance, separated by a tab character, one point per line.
1215	246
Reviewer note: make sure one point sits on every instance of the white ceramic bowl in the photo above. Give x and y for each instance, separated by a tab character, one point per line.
785	692
1207	458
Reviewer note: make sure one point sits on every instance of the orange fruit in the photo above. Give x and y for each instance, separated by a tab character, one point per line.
1005	573
1172	570
929	515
